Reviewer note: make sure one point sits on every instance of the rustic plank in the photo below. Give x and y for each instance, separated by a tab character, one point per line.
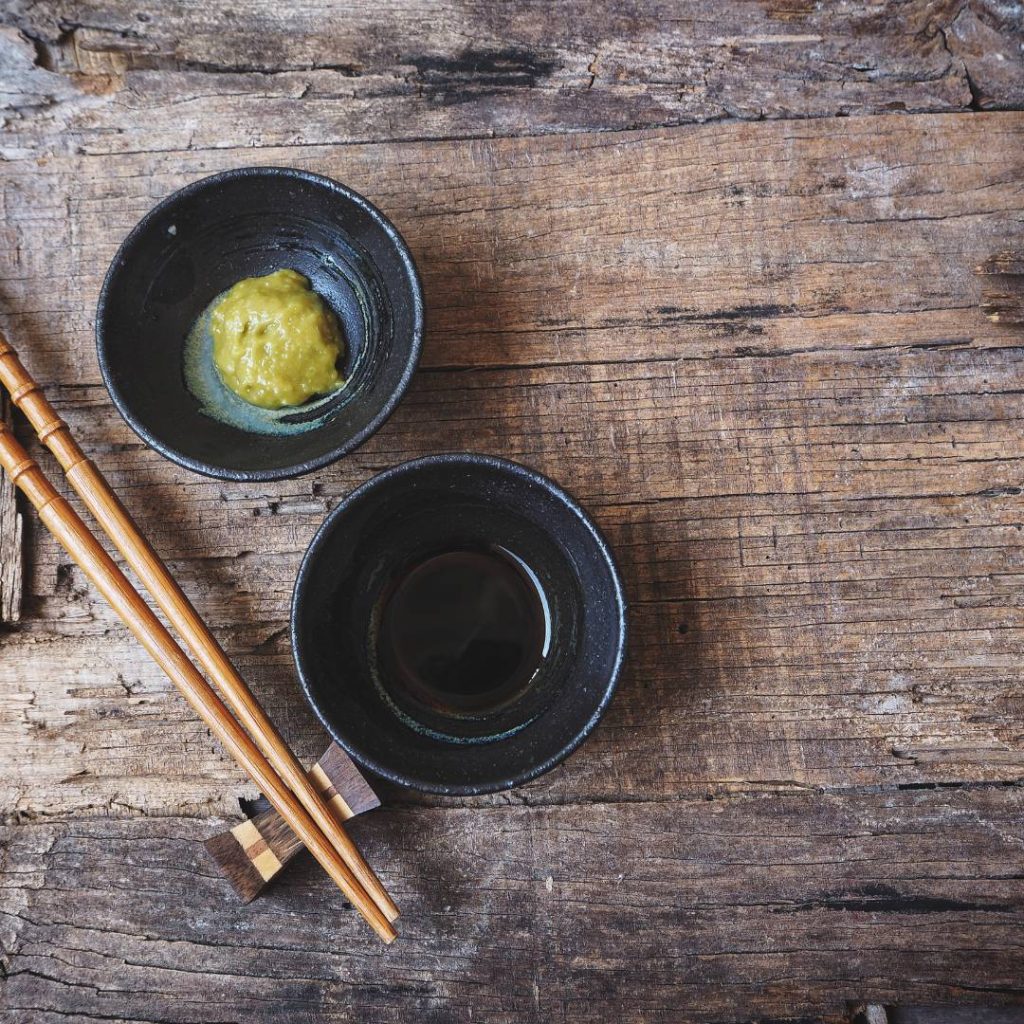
762	906
119	75
952	1015
755	351
1002	294
1003	300
1008	262
10	540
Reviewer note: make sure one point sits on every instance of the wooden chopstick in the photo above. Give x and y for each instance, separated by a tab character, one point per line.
145	626
117	523
64	523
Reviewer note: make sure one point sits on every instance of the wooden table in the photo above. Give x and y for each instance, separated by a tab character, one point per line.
663	265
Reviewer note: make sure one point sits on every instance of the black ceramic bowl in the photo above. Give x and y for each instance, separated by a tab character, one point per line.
409	513
247	223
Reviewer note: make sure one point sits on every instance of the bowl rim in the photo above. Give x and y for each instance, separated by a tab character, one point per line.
500	781
338	451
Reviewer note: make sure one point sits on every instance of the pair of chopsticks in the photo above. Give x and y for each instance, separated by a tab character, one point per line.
261	751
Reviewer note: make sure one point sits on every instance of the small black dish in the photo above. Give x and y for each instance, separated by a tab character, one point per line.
246	223
404	516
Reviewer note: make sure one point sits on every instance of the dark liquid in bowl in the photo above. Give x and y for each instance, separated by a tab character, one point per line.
464	632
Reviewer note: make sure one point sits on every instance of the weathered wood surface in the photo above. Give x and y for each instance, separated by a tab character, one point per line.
1002	294
120	76
10	541
755	351
637	912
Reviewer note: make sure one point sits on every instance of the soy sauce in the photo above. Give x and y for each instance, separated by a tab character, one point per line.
464	632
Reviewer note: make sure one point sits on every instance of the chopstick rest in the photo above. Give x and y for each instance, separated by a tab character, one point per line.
253	853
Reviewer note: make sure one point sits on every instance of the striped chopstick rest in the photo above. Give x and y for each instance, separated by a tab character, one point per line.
253	853
257	850
330	793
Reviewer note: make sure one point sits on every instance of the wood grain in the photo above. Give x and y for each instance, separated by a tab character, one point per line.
10	540
1002	294
343	862
276	759
757	907
754	351
105	76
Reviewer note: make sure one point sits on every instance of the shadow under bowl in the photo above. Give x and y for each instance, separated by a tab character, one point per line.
401	518
243	223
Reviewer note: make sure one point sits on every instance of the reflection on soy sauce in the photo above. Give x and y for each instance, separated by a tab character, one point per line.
464	632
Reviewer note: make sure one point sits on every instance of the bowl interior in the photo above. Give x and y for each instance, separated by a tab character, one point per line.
248	223
408	514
